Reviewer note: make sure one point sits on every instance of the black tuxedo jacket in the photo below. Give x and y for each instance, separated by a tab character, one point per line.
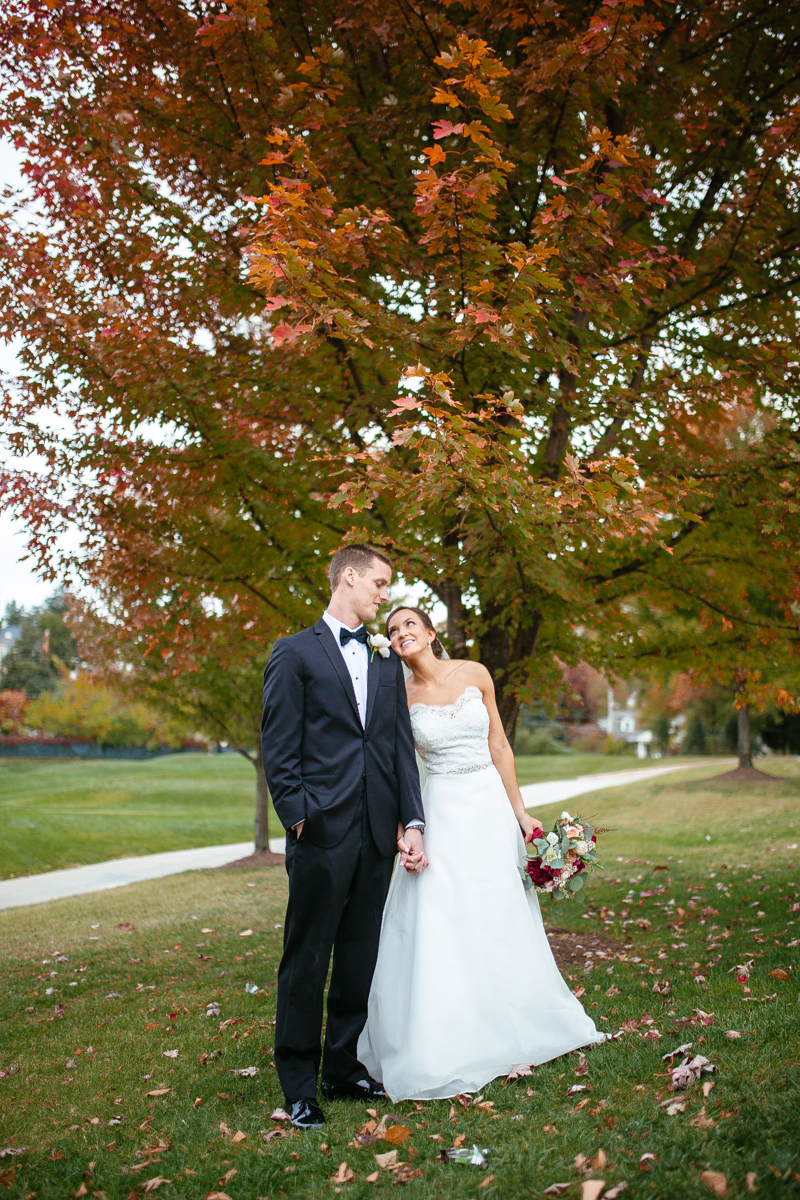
318	759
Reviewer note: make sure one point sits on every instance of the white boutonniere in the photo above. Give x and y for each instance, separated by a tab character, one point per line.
380	643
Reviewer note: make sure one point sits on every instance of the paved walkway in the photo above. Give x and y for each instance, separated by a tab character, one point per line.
537	794
77	881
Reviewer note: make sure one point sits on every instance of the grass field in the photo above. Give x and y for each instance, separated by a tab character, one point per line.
132	973
540	768
64	813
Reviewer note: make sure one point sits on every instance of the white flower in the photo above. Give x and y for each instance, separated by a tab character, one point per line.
565	816
378	642
582	847
553	838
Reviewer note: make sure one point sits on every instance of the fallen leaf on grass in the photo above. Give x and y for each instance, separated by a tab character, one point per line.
615	1191
689	1072
272	1134
557	1189
374	1177
518	1072
170	1053
701	1121
600	1162
156	1182
673	1107
549	1129
435	1137
279	1114
674	1053
246	933
158	1092
387	1161
732	1034
577	1087
343	1175
397	1135
239	1137
189	1171
706	1089
779	973
647	1160
14	1151
484	1183
406	1172
82	1191
228	1176
217	1196
716	1181
246	1072
599	1107
591	1189
750	1181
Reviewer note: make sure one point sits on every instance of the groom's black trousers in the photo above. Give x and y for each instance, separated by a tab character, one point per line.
336	899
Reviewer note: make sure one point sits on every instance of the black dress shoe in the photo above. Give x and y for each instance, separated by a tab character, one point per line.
365	1089
307	1114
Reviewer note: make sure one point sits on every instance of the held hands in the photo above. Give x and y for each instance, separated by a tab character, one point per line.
530	827
412	856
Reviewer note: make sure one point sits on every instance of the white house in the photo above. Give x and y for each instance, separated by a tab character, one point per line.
622	722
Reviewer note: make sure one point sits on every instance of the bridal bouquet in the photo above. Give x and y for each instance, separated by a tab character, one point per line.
557	860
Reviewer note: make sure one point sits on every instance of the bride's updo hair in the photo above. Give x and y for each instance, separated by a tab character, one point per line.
436	645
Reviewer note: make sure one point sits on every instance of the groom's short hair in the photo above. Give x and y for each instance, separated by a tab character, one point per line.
358	556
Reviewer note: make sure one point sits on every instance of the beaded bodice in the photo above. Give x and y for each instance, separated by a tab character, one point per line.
452	739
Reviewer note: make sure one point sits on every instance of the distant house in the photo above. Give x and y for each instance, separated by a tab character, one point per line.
622	723
8	636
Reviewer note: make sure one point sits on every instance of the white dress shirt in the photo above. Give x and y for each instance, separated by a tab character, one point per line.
356	657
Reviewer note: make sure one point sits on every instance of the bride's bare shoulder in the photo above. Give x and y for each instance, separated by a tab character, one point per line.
472	674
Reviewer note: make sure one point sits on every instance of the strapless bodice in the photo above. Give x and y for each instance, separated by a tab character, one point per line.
452	739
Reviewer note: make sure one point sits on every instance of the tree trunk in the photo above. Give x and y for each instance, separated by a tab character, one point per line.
450	594
261	831
745	741
499	654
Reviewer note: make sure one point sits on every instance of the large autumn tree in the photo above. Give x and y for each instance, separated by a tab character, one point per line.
508	288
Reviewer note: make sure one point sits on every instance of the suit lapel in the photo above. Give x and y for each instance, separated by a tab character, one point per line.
373	672
335	655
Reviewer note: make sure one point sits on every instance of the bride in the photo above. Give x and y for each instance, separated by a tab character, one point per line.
466	986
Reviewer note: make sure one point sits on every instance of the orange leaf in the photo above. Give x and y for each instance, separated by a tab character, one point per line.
397	1135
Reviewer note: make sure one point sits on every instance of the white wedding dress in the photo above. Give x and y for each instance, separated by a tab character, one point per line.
466	986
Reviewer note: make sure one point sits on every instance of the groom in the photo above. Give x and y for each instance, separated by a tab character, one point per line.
339	759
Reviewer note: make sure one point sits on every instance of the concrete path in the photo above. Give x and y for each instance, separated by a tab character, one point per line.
557	790
77	881
54	885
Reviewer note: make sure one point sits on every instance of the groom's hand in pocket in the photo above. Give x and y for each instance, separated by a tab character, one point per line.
298	828
412	855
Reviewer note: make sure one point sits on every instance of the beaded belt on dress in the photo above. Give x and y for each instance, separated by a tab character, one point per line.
462	770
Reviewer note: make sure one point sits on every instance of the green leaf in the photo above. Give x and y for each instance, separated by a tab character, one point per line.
575	883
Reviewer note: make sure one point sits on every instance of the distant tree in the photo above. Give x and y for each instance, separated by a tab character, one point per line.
84	709
13	706
45	644
13	614
662	729
694	740
781	731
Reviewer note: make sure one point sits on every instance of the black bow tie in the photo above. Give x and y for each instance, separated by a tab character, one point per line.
345	635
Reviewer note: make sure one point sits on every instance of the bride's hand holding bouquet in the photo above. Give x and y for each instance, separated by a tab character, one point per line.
531	827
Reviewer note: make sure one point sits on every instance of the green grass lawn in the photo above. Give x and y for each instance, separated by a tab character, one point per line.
671	911
62	813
